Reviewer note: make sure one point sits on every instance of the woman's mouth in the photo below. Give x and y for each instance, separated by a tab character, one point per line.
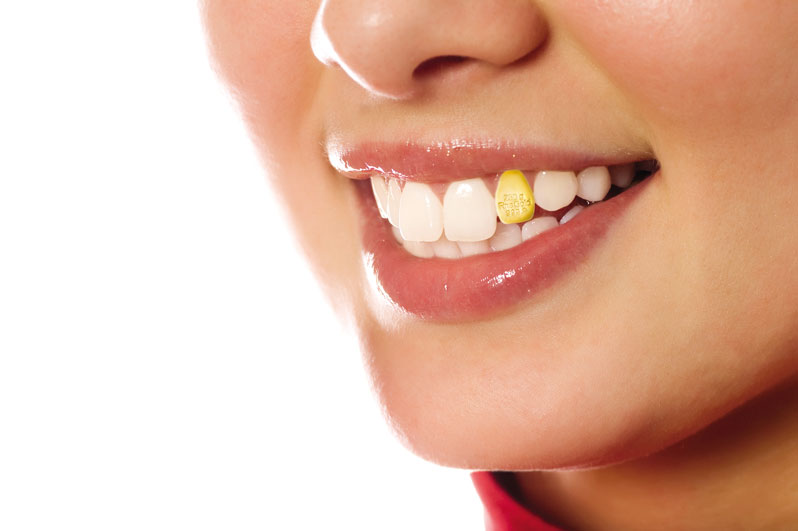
449	249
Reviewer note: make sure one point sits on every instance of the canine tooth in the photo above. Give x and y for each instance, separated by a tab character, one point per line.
536	226
446	249
506	237
420	213
622	175
555	189
594	183
571	214
469	213
380	191
514	200
419	249
394	197
472	248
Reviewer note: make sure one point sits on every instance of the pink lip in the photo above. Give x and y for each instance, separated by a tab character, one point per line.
454	160
480	286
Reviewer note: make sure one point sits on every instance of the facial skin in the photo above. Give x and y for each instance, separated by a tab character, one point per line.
684	312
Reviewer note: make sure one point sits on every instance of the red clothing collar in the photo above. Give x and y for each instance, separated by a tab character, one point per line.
502	511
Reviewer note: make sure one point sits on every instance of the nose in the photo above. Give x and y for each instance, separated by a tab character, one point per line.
381	44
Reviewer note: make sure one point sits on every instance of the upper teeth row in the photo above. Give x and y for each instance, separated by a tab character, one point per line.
469	210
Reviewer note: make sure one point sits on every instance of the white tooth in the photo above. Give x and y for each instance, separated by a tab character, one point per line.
571	214
420	213
594	183
446	249
555	189
536	226
469	211
622	175
506	237
419	249
472	248
397	234
394	196
380	190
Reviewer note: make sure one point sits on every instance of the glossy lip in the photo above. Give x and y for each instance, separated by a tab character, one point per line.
461	159
481	286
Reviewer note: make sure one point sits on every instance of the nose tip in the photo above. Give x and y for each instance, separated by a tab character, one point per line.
380	44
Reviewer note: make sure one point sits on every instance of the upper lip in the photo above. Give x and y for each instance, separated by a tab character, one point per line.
462	159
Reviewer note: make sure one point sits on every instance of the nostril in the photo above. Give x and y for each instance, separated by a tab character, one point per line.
437	65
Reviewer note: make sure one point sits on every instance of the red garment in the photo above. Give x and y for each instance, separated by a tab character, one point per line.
502	510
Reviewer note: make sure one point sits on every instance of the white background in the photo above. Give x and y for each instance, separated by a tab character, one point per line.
165	359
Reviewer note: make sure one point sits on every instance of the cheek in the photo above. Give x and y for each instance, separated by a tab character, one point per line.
261	50
694	65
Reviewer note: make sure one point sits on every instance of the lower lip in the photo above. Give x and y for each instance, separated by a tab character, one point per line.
479	287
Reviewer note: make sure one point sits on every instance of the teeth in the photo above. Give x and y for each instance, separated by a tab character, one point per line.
622	175
472	248
571	214
394	197
465	223
506	237
446	249
555	189
419	249
537	226
380	190
469	212
594	183
514	200
420	213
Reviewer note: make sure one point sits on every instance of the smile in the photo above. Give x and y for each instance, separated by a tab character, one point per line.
482	215
462	249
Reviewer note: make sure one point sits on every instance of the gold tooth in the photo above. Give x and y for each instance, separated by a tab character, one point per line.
515	202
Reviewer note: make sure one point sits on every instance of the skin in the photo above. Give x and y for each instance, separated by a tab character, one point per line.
680	328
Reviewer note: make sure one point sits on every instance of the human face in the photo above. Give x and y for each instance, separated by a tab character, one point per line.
644	318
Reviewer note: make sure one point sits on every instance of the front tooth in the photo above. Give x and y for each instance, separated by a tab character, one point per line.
469	213
555	189
537	226
571	214
380	190
506	237
622	175
446	249
420	213
514	200
394	197
594	183
472	248
419	249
